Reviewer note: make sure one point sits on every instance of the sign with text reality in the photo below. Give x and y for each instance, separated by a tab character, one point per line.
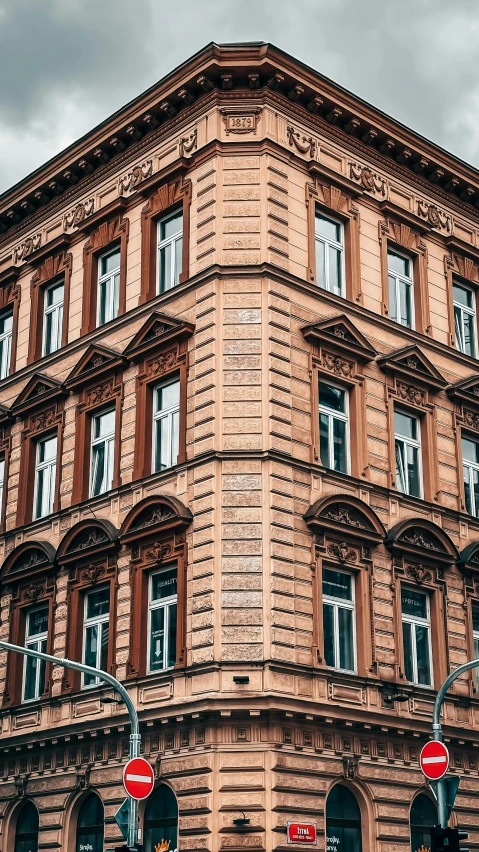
301	832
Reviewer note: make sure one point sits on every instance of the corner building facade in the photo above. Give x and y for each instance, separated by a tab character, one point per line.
240	452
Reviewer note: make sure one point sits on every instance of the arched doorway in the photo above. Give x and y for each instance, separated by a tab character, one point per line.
423	816
26	835
343	821
161	819
91	825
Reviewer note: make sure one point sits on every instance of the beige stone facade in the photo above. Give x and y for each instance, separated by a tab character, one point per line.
249	144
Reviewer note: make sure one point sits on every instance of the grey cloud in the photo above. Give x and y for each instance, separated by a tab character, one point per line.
67	64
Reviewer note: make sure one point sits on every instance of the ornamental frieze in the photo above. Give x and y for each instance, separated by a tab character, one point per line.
79	213
22	251
369	180
434	216
132	179
303	143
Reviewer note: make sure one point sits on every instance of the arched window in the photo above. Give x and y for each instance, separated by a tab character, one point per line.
161	819
26	836
423	817
90	825
343	821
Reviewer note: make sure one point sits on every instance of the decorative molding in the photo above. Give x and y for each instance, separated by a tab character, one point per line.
471	419
343	514
303	143
337	365
418	537
461	265
342	551
21	252
369	180
133	178
241	119
437	218
410	393
188	143
419	574
79	213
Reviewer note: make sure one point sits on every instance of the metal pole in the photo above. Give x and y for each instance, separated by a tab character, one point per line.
437	733
135	738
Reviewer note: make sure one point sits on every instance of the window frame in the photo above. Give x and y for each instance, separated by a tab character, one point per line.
416	444
471	467
416	620
110	441
337	603
175	275
55	309
464	310
405	279
331	414
169	414
91	622
403	232
107	230
338	246
165	604
114	300
49	464
48	273
40	637
9	311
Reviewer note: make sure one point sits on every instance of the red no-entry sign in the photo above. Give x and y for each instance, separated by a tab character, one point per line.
138	778
434	760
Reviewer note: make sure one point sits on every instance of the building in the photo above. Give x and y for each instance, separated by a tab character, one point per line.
240	454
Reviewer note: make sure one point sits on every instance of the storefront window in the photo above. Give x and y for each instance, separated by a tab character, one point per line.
343	821
90	825
26	836
423	817
161	820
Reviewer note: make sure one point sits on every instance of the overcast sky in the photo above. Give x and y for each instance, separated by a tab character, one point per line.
67	64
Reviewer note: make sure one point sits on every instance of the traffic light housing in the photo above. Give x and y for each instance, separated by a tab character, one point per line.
447	839
138	847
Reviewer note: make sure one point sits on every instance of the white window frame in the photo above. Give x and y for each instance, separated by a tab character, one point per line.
409	280
51	464
413	443
332	413
326	242
475	633
108	278
34	642
57	324
6	339
164	603
109	441
161	244
160	415
336	603
94	620
422	622
464	310
2	483
471	467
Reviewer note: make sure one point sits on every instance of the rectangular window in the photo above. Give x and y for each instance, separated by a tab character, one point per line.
338	620
162	609
6	330
416	630
465	319
333	427
329	254
36	635
108	297
470	467
53	318
408	454
475	630
166	425
401	298
45	477
102	452
169	251
95	633
2	481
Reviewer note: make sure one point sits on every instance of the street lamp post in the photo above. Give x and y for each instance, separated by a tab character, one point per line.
135	737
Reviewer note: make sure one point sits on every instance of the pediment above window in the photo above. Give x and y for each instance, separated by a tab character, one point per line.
154	516
469	557
466	390
346	515
88	540
157	332
411	363
422	539
95	362
27	560
341	335
39	391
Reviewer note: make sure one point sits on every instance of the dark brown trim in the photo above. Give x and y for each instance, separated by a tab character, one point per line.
43	420
55	267
403	234
109	234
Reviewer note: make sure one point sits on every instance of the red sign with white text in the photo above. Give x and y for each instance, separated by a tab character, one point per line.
434	760
302	832
138	778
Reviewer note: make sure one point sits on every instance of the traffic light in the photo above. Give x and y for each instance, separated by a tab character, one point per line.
138	847
447	839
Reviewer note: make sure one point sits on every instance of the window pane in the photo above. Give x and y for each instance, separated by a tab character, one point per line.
469	347
337	584
91	646
98	603
463	296
162	454
327	228
334	270
157	638
49	341
324	439
104	424
406	307
109	262
321	264
413	471
401	476
393	308
346	641
458	329
470	450
467	490
175	437
422	650
55	295
475	617
339	445
331	397
405	426
98	469
414	603
398	264
165	281
103	299
37	622
29	692
164	584
475	491
171	635
6	323
178	260
328	632
104	646
408	653
171	225
167	396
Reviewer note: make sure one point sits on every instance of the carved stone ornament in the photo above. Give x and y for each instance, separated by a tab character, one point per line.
188	143
129	181
411	394
418	573
21	782
471	419
241	119
90	538
92	574
350	765
369	180
421	538
79	213
345	515
153	516
337	365
83	777
436	218
42	420
31	559
304	144
33	592
162	364
155	552
26	248
100	393
342	552
464	266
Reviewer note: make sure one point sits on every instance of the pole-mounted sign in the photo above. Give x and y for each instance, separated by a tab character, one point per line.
138	778
434	760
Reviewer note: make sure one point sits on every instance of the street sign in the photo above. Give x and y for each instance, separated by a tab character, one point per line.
138	778
122	817
450	786
434	760
301	832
